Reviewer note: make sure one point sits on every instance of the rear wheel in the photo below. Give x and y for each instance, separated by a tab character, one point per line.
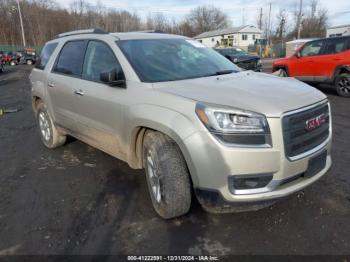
342	85
167	175
50	136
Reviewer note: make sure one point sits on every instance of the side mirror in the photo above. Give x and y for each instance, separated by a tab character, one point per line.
298	54
113	78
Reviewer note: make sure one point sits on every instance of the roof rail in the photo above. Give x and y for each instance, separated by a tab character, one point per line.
84	31
150	31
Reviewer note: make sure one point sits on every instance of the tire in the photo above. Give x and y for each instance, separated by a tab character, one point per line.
282	73
49	135
1	67
13	63
167	175
29	62
342	85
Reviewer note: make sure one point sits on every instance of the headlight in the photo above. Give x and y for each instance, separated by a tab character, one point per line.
259	62
235	126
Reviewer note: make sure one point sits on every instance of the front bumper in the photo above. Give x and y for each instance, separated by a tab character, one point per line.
250	65
212	163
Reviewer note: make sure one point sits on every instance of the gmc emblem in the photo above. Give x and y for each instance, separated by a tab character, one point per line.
315	122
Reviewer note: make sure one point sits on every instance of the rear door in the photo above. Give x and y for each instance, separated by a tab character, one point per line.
331	56
303	67
63	81
100	107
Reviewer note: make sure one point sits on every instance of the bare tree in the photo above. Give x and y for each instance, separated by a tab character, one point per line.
44	19
206	18
314	21
282	21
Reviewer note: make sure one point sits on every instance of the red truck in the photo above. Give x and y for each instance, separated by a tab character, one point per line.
320	61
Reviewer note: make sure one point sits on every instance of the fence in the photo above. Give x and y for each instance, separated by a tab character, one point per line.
14	48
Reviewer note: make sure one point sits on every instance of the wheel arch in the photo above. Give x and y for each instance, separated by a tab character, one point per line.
340	70
166	125
277	67
35	101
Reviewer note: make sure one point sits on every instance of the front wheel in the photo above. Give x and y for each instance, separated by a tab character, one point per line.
282	73
167	175
342	85
29	62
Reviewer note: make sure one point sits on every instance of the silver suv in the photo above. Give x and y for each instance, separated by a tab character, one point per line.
198	124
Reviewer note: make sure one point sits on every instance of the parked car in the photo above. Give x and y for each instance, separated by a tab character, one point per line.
241	58
320	61
2	62
27	56
10	58
239	140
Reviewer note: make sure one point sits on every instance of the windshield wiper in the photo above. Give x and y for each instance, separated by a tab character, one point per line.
224	72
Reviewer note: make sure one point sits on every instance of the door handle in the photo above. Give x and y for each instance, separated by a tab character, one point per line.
51	84
79	92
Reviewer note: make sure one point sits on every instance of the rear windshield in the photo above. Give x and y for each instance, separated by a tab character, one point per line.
159	60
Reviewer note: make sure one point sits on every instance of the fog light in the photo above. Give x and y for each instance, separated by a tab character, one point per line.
255	181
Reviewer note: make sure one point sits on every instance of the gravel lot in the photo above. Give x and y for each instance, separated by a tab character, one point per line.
78	200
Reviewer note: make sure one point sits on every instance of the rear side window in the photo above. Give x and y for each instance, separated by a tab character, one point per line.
99	59
71	58
335	46
45	55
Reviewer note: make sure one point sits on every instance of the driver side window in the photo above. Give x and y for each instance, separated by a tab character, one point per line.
311	49
99	59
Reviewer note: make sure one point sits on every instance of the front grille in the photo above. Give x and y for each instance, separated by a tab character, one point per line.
247	64
297	138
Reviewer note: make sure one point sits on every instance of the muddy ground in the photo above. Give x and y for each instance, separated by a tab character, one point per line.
78	200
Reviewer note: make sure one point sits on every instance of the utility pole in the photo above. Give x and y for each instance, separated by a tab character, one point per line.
299	20
243	17
282	25
269	26
260	19
21	21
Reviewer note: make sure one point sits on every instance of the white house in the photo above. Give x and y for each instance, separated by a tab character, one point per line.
338	30
241	36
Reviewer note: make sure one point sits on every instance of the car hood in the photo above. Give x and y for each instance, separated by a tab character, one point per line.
258	92
243	58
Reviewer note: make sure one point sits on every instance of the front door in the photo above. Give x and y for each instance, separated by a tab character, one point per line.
100	107
304	65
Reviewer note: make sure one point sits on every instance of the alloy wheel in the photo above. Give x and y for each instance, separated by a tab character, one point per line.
153	178
344	85
44	126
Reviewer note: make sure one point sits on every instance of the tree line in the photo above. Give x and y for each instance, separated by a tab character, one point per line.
44	19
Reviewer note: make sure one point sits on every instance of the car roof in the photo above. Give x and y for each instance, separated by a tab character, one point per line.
227	48
330	38
75	35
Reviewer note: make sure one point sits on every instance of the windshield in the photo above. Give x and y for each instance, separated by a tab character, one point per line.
159	60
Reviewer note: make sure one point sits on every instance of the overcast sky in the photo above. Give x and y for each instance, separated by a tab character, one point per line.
338	10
